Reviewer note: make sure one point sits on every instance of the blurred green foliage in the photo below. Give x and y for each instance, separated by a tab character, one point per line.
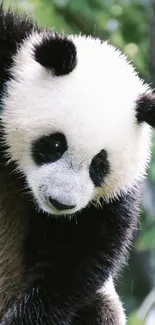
146	240
126	24
134	320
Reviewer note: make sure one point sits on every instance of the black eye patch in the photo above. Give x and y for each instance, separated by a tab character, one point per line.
48	149
99	168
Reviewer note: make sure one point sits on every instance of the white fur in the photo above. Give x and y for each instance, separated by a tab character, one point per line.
94	106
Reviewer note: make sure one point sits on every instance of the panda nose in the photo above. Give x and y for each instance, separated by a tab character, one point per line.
59	206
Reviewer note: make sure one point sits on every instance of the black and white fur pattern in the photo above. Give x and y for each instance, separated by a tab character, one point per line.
75	145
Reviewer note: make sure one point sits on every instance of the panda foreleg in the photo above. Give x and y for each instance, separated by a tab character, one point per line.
35	309
106	309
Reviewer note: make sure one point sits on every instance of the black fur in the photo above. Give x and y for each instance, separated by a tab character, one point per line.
66	261
36	309
100	311
49	148
14	29
56	53
99	168
145	109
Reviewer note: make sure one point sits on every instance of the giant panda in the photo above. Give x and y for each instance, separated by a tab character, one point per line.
75	137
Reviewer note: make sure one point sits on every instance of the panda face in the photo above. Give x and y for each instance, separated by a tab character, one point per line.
70	121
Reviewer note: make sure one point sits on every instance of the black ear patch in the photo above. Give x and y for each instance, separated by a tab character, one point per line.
145	109
99	168
56	53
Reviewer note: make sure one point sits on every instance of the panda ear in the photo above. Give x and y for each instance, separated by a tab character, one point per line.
57	53
145	108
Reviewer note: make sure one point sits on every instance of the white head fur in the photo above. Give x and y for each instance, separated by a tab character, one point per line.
94	106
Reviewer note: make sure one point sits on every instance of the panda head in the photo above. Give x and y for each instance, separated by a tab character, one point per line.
76	121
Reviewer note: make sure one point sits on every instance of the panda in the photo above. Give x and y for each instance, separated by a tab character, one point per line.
75	139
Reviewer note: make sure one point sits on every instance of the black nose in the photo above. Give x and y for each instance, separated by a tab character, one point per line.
59	206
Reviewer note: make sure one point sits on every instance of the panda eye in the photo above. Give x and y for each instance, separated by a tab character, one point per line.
49	148
56	146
